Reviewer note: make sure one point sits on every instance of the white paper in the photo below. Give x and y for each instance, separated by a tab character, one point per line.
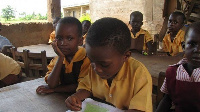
90	105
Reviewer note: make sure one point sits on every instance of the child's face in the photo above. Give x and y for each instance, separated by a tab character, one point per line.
85	27
67	38
136	22
105	60
192	47
175	23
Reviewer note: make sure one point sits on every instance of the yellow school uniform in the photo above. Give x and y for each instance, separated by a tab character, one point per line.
173	47
8	66
130	89
147	37
52	37
79	56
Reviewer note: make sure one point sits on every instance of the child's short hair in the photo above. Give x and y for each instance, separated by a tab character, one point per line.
72	20
137	14
109	32
178	13
86	21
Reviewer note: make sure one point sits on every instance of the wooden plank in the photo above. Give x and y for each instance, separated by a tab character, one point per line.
22	97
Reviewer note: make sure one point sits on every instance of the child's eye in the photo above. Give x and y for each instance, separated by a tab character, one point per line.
192	44
59	37
105	65
175	22
69	38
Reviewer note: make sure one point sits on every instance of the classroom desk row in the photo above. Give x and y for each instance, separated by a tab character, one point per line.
156	64
22	97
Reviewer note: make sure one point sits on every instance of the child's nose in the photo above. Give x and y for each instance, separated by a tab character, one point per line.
64	42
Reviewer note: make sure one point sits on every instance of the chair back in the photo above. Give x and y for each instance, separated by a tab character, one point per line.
36	63
19	58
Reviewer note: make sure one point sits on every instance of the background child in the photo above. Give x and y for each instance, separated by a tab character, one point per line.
3	40
114	76
85	26
9	71
52	35
172	42
136	21
71	64
182	82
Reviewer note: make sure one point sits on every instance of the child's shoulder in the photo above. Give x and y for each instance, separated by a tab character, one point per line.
138	70
135	64
143	30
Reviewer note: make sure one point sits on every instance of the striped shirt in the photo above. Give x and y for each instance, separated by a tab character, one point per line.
182	75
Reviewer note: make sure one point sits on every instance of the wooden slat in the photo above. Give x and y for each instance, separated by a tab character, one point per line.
36	62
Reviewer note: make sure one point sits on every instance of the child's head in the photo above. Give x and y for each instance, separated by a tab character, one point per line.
192	44
68	35
136	19
176	21
55	21
107	45
85	26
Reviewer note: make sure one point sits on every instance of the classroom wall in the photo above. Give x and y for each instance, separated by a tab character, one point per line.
23	34
121	9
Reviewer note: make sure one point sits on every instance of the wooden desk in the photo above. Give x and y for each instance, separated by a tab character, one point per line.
38	48
156	64
22	97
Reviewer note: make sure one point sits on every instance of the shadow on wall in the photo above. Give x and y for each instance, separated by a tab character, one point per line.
23	34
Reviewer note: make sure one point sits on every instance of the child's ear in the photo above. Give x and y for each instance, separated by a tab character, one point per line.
127	54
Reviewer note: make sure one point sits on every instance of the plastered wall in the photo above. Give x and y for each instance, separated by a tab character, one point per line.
121	9
23	34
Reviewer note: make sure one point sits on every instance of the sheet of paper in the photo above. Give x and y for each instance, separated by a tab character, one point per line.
90	105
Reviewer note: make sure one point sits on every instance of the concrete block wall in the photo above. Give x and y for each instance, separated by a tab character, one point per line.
121	9
23	34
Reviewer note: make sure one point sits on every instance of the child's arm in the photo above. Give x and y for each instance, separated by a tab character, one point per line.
44	89
165	104
74	102
54	77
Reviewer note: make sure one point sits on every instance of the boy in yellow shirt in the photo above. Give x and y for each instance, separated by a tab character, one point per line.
173	41
71	64
52	35
143	40
114	76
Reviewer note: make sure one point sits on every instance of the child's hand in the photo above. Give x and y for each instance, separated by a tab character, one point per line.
56	49
73	103
44	89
